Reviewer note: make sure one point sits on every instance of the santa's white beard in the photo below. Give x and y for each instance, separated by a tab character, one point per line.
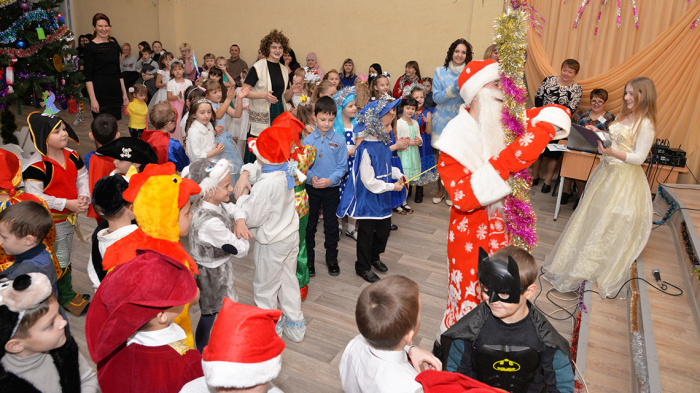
489	120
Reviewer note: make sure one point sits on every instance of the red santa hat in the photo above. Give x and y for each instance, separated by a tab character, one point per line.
131	295
244	350
556	115
446	382
476	75
273	145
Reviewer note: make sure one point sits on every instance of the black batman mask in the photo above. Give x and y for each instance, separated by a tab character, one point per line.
500	280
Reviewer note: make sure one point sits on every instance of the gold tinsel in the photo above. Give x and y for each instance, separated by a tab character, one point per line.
510	36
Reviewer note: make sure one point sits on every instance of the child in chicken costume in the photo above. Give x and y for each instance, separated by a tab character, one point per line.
475	164
160	201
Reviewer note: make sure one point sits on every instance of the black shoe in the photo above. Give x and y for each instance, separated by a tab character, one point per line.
565	198
546	188
576	203
419	194
535	182
333	268
312	270
394	227
369	276
380	266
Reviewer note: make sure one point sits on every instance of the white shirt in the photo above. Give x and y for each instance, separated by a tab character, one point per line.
373	184
106	239
215	232
157	338
364	369
82	183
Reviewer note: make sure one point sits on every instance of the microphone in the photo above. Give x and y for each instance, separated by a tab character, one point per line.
607	142
657	275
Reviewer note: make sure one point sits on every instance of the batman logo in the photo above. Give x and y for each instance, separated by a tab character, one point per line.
506	365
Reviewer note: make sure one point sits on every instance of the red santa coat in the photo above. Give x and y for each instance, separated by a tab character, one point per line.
475	179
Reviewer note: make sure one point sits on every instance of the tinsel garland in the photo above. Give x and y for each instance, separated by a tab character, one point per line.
672	206
21	53
618	14
574	349
10	34
532	14
581	292
510	36
690	250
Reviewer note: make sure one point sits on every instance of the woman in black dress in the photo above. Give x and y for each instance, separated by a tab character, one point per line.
102	74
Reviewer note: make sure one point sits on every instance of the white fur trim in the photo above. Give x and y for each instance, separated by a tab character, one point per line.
557	118
469	89
241	375
488	186
460	140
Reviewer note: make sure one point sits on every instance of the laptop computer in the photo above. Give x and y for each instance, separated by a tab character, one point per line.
577	140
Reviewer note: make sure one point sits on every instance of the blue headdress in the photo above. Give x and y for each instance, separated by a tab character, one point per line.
345	96
368	120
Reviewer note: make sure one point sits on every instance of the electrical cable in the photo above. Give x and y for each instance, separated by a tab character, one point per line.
663	289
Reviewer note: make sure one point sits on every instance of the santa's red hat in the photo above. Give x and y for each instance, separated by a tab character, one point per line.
476	75
272	146
446	382
131	295
556	115
244	350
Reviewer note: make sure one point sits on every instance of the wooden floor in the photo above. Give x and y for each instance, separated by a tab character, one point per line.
416	250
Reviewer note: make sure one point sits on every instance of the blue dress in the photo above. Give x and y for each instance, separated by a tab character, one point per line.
446	97
357	201
350	141
397	197
427	158
230	149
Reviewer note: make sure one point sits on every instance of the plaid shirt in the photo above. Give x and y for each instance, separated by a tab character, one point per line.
584	119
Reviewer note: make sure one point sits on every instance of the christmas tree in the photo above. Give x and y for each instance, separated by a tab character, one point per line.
36	56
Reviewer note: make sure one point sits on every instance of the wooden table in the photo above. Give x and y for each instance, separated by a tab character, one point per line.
579	165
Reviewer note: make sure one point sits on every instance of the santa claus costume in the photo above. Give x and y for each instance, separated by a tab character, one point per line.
475	166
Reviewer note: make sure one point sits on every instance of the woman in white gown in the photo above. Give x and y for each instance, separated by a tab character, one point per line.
612	224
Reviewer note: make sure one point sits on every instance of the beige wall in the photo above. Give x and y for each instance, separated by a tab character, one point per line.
390	32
